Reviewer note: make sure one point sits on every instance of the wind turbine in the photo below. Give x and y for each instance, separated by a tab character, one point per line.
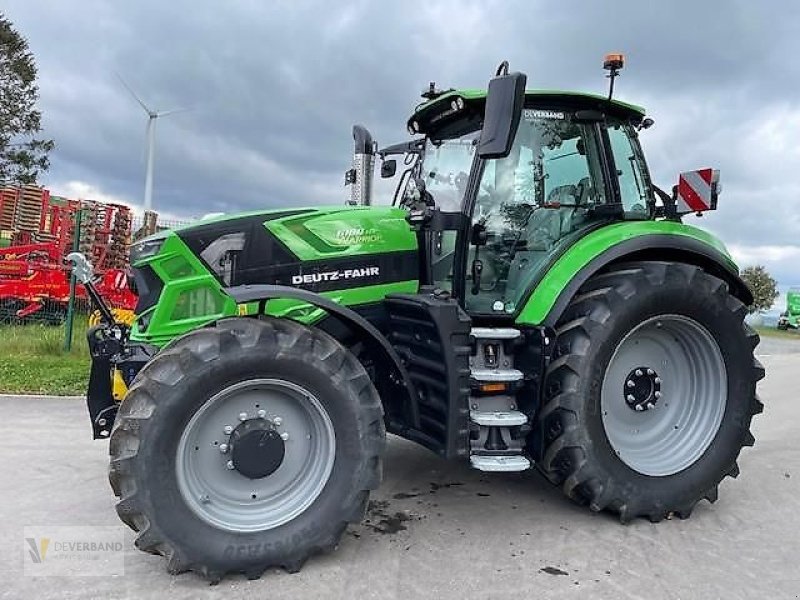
152	115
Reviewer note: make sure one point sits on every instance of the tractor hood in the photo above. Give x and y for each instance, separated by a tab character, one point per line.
291	247
354	255
318	249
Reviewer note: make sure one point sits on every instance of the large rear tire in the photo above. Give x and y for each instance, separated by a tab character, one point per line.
247	445
651	392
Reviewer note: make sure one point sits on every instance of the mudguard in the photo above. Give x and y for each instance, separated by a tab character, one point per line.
366	331
551	294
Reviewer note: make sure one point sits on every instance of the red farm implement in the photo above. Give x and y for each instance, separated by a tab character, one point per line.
34	281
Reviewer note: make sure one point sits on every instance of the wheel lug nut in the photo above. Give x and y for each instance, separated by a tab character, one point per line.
657	394
657	380
630	383
262	413
242	416
277	421
639	372
651	372
227	429
284	436
229	465
631	398
650	405
223	448
639	407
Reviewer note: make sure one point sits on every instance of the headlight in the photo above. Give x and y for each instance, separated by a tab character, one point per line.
145	249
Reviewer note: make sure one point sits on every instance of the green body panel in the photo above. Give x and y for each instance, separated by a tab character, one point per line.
341	232
379	229
793	302
192	278
307	313
561	273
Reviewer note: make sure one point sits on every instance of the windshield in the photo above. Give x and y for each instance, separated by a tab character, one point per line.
445	170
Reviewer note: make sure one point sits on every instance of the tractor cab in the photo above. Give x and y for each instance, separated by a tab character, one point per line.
573	164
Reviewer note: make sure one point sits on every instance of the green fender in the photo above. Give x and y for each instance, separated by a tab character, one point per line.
628	240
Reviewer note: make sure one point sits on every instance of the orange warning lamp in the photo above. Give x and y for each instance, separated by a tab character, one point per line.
614	61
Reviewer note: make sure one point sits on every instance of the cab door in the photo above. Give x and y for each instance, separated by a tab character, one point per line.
528	206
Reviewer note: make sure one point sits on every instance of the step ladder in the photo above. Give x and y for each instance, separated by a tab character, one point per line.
497	428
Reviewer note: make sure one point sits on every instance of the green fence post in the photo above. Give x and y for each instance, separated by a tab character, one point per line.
76	245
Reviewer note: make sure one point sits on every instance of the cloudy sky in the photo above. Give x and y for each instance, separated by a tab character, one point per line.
274	87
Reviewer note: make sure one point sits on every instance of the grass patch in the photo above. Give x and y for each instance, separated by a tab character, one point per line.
33	359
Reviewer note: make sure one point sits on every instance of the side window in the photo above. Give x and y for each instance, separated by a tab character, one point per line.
632	183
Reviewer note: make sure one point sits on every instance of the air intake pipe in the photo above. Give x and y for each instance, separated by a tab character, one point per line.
360	176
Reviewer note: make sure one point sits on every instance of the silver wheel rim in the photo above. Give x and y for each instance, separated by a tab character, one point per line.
227	499
671	432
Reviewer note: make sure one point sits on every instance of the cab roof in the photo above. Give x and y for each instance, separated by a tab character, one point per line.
437	119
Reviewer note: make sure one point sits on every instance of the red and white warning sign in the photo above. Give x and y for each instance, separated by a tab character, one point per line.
697	190
120	280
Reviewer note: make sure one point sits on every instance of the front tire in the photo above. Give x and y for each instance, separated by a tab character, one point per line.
246	445
651	391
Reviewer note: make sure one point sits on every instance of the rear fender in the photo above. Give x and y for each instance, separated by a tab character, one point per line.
544	307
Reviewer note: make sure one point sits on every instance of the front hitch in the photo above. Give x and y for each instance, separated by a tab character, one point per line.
107	343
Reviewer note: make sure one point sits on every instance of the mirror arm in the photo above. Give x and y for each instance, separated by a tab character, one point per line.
412	147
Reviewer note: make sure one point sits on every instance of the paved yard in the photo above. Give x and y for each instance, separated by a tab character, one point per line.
467	534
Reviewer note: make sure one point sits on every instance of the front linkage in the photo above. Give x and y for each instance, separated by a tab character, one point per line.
115	362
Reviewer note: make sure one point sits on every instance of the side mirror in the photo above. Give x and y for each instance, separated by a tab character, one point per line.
388	168
504	101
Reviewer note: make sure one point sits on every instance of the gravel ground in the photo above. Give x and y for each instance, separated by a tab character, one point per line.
440	529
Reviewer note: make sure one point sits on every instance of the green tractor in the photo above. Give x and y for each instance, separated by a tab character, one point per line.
790	318
528	300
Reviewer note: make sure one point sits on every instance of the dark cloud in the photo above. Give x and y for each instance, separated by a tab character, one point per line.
273	89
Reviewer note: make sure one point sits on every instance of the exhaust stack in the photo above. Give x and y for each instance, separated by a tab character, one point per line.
360	176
